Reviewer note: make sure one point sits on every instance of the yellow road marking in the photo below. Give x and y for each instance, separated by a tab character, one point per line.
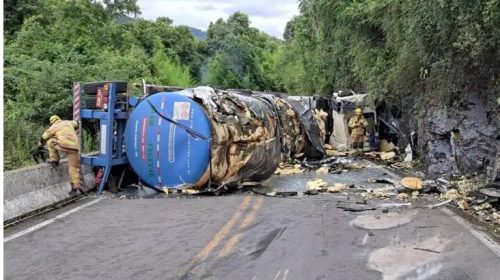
219	236
228	248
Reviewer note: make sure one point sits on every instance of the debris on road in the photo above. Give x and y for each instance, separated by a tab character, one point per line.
323	170
190	191
412	183
415	194
311	192
491	192
451	194
355	207
284	169
483	206
393	205
440	204
387	155
335	153
317	184
337	187
386	146
462	204
403	196
402	165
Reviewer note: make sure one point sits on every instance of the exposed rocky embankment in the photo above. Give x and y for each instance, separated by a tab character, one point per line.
460	140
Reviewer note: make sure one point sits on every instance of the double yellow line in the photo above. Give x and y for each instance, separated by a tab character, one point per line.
230	224
229	246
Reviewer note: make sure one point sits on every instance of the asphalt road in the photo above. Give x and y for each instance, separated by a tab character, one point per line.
249	236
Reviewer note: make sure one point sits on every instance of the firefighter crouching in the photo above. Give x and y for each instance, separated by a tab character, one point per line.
358	125
61	137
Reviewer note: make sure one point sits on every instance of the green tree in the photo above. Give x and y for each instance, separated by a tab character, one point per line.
241	56
394	48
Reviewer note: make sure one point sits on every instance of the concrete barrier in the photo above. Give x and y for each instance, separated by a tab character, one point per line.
32	188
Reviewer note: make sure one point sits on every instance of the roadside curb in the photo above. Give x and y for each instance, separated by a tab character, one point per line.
32	188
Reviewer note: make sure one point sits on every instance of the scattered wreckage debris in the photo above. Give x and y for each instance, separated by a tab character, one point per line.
386	146
285	169
329	165
470	194
317	184
338	187
412	183
441	204
356	207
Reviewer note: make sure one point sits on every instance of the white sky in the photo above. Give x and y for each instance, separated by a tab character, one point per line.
269	16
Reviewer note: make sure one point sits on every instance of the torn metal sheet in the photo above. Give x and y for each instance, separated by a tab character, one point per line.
314	147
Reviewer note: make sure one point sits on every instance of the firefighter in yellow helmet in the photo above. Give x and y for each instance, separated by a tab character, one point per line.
358	125
61	137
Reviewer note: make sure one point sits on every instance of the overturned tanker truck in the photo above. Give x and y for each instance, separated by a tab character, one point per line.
207	139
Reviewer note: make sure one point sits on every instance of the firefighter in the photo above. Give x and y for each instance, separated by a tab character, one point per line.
358	125
61	137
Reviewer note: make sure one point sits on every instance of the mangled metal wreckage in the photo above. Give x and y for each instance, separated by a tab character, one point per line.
207	138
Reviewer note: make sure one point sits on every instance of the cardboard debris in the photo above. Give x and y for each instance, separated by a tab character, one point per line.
316	184
496	216
412	183
386	146
387	156
337	187
335	153
353	166
483	206
190	191
321	117
451	194
384	192
296	169
463	204
402	165
322	170
403	196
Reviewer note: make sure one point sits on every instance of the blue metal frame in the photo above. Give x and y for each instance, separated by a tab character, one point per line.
107	158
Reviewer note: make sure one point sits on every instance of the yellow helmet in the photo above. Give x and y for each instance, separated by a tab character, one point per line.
358	111
54	119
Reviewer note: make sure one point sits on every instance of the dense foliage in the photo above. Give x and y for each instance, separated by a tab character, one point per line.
241	56
394	48
50	44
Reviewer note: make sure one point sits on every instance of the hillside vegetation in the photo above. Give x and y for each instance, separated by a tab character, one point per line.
50	44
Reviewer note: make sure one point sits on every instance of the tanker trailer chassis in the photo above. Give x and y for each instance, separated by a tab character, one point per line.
195	138
106	103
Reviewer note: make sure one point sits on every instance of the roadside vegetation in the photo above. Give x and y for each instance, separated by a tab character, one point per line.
394	48
50	44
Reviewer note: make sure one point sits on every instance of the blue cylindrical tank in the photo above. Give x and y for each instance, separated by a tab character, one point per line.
166	140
